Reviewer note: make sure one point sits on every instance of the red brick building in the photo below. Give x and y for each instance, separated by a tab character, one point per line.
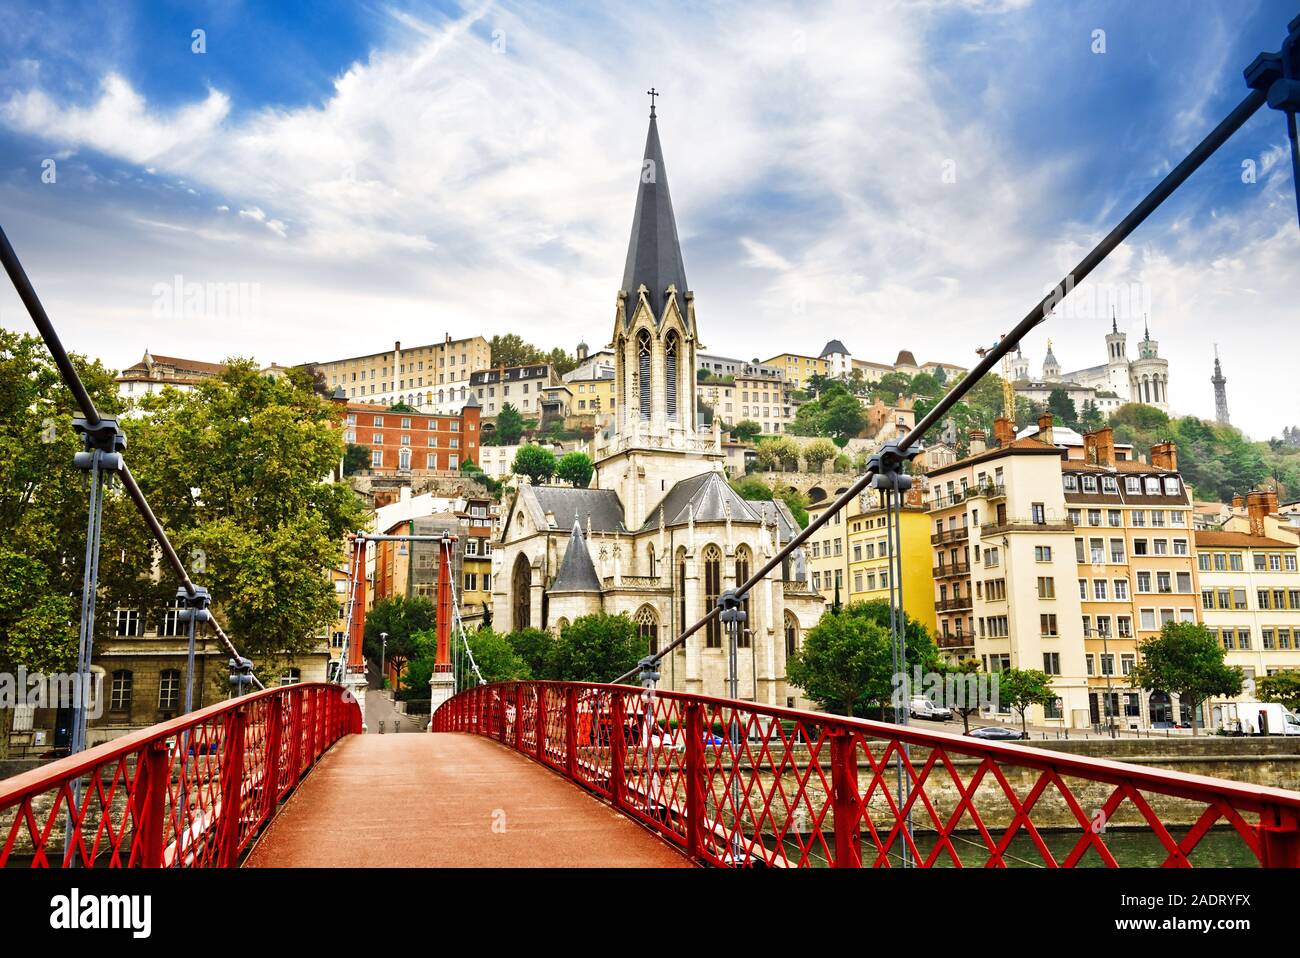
412	442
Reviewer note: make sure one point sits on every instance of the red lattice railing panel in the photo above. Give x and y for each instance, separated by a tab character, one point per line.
162	796
735	784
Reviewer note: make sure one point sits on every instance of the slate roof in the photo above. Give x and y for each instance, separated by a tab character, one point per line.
654	254
708	493
577	571
834	346
569	505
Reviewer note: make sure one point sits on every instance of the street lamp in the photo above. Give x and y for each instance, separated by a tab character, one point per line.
383	652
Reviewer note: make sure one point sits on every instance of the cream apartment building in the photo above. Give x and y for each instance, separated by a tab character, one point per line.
1250	599
1002	511
433	378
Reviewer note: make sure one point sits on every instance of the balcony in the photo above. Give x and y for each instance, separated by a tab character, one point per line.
985	490
950	535
951	569
958	641
1026	525
953	605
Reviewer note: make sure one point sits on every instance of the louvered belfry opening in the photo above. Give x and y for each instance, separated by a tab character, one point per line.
644	382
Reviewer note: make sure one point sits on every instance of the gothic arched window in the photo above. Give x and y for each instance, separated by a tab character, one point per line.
647	628
671	355
791	635
681	591
643	372
712	589
743	569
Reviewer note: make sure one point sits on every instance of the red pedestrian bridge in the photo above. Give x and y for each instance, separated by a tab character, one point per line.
541	773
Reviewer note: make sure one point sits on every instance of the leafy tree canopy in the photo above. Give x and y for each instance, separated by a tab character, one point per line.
594	648
534	462
575	468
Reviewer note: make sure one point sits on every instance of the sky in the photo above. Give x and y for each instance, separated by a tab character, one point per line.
334	177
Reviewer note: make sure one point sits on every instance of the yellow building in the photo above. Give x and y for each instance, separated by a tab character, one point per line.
852	555
799	369
868	556
1250	599
593	394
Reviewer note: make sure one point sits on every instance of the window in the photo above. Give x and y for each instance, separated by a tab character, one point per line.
1144	581
1124	627
1147	619
1126	662
1052	663
1121	590
171	619
127	622
1107	663
119	697
1099	589
1046	587
291	676
647	628
169	690
1047	623
712	589
1042	553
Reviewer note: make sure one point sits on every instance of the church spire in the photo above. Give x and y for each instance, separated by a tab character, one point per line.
654	254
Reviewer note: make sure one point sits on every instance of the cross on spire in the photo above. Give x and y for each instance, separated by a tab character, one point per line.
652	93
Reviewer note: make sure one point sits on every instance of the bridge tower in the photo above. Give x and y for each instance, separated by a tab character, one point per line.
442	684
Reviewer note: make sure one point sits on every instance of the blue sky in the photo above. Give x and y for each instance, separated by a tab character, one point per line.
398	171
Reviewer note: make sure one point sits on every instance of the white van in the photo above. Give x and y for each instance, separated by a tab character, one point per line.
1267	718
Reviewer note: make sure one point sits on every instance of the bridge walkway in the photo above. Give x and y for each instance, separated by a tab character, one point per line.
447	800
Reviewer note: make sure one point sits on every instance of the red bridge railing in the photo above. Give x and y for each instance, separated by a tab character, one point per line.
739	784
190	793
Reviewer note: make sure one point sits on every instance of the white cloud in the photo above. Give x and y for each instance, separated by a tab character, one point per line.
477	175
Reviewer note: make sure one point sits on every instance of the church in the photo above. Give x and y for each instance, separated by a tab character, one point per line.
1110	385
659	535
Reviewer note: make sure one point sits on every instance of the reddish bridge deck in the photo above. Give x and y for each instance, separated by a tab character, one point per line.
447	800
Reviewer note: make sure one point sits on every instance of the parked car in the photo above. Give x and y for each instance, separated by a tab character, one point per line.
997	733
923	708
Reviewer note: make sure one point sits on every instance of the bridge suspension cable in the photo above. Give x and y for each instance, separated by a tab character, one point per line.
894	454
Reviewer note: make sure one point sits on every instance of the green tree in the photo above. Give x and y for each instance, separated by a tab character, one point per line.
1187	659
510	426
890	387
1022	688
535	463
574	468
403	620
838	664
846	662
1282	687
233	469
817	454
758	489
533	646
355	459
496	657
1091	418
595	648
746	430
971	677
511	350
1061	406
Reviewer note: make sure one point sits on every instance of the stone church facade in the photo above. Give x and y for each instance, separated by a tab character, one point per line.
659	535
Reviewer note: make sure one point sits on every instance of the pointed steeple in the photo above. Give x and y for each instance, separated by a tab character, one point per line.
577	571
654	254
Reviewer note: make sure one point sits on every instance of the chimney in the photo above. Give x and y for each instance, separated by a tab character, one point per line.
1004	431
1238	502
1164	455
397	346
1090	448
1256	510
977	441
1045	429
1270	501
1104	444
